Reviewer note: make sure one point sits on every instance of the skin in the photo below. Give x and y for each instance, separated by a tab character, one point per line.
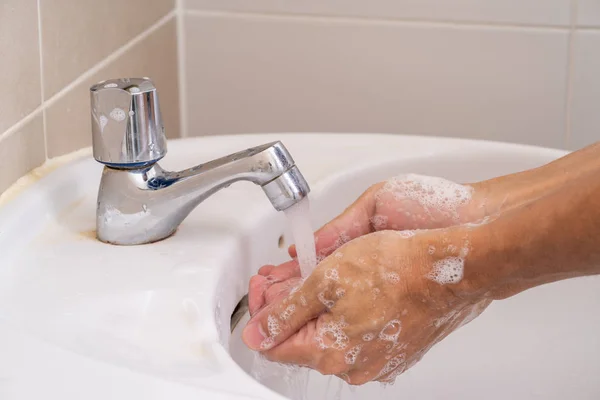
378	286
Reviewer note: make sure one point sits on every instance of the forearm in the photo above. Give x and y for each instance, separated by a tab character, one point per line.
514	190
552	238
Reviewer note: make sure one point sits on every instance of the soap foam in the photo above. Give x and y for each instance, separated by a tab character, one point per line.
367	337
379	222
273	326
395	364
274	329
391	277
444	319
303	301
335	332
267	343
332	274
406	234
465	250
328	303
289	311
391	331
352	354
342	239
448	270
431	193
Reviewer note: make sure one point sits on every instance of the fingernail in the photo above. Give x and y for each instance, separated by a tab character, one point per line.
253	335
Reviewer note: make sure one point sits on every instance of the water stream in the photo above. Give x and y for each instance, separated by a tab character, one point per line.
295	378
299	219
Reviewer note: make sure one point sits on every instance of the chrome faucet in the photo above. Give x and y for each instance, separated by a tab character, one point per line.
138	201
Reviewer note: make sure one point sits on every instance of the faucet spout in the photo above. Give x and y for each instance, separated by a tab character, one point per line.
147	204
140	202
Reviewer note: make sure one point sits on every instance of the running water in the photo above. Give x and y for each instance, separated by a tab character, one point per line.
294	379
299	219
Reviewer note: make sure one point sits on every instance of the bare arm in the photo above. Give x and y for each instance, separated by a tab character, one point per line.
513	190
551	238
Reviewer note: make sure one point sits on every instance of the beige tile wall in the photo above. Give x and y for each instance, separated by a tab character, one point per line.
50	57
585	121
522	71
511	70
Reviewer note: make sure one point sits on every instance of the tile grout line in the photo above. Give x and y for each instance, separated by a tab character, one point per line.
181	70
22	122
375	20
42	83
570	75
111	57
586	28
90	72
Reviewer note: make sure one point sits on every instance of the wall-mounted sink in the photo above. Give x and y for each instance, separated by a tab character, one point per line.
81	318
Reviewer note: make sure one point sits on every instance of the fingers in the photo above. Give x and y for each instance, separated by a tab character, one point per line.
281	319
280	289
265	270
269	275
287	270
256	290
298	349
302	349
355	221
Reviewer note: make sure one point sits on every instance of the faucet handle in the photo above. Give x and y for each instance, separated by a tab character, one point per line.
127	127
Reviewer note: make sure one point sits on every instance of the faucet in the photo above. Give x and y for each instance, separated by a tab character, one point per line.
138	201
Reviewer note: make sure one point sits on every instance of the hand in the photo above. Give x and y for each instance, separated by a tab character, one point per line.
542	237
403	203
372	308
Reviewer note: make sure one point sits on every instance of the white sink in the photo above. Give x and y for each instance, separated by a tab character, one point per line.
84	319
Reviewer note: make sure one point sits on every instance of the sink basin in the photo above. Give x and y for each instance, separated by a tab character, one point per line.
81	318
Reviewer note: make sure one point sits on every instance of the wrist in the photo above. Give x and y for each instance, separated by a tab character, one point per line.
456	259
469	260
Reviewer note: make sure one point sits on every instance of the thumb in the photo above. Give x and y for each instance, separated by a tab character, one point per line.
355	221
284	317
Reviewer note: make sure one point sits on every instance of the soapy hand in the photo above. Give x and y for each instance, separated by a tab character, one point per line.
406	202
401	204
372	308
383	295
